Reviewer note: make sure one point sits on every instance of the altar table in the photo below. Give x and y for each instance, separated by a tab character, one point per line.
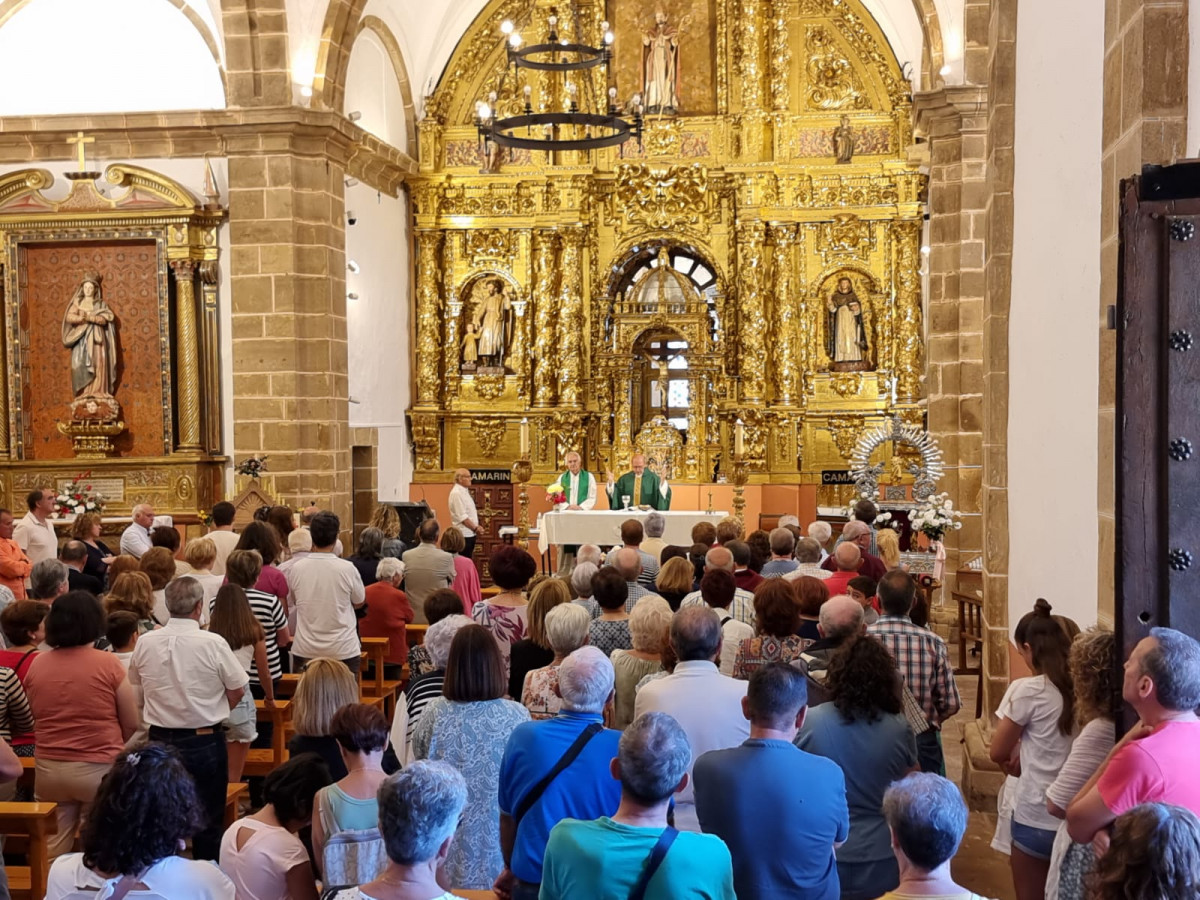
603	526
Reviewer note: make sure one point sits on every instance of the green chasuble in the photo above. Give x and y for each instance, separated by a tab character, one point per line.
651	496
584	482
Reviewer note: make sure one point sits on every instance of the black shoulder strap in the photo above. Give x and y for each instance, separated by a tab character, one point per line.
657	855
573	751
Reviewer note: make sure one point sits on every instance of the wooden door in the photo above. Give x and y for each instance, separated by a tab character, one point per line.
494	503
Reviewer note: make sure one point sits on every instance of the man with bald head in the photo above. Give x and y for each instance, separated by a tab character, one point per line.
642	486
706	703
628	562
860	535
846	558
463	514
742	607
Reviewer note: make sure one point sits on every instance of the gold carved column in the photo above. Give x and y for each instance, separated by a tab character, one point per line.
783	318
907	241
451	343
428	316
752	329
750	55
186	340
519	358
544	339
570	318
781	56
210	278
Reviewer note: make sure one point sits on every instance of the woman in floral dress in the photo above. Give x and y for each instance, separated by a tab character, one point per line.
777	613
506	614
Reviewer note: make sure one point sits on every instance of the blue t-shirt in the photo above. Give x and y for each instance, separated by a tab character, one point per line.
780	811
602	860
584	790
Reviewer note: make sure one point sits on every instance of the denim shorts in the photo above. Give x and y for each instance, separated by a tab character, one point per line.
1035	842
241	726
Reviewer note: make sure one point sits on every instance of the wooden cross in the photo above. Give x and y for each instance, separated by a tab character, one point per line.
80	141
488	513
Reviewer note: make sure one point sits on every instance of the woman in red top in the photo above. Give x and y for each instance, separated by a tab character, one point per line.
85	711
388	612
23	626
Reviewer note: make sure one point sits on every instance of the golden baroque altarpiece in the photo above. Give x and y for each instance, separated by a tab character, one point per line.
146	248
542	279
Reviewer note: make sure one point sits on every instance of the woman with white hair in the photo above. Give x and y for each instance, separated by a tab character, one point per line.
651	617
581	587
388	614
927	818
429	686
419	809
566	630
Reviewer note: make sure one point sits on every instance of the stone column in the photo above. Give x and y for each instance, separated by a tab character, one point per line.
783	314
289	316
752	328
429	305
545	362
187	378
570	318
210	279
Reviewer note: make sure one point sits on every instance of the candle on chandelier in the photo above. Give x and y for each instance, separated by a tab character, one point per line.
524	438
739	438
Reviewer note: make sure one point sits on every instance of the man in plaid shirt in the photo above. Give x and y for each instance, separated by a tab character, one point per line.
923	661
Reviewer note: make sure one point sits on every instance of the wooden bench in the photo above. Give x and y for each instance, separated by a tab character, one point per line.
376	650
35	822
234	791
262	761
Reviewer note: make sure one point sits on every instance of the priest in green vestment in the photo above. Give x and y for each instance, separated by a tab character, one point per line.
643	487
578	484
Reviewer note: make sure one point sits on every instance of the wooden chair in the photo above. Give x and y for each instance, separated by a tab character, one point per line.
261	762
970	638
34	822
378	685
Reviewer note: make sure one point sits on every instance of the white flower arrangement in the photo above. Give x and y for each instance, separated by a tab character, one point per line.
935	516
78	498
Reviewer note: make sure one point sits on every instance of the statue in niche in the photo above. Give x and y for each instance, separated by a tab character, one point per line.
660	66
843	142
848	348
491	321
88	330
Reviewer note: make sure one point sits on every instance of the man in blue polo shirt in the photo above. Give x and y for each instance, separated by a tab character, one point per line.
781	811
582	789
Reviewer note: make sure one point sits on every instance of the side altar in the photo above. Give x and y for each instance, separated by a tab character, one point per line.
754	257
108	287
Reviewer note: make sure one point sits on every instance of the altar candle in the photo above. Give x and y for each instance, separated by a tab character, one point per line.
739	438
524	438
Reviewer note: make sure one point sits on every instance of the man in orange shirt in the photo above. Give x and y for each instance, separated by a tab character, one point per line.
14	564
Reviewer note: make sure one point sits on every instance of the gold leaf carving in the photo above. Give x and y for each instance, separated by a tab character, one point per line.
832	81
847	233
662	198
845	431
488	434
846	384
491	243
489	387
426	438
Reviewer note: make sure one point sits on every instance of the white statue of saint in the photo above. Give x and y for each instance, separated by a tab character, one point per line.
490	321
660	66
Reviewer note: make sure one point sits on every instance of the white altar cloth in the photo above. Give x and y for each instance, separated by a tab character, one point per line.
603	526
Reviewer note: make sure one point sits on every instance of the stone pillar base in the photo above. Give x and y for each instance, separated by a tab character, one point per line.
981	778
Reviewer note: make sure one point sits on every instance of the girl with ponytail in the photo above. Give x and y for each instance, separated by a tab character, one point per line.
1032	740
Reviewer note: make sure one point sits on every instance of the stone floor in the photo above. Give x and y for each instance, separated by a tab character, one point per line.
977	866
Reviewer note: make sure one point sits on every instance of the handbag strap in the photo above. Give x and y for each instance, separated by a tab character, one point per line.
573	751
657	855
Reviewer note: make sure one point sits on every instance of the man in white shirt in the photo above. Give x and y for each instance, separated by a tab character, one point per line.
325	592
808	555
224	538
190	680
463	514
707	704
35	532
135	540
821	532
742	607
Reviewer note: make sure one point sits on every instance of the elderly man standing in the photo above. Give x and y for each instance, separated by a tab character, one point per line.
48	579
808	559
190	680
463	514
861	536
631	538
135	540
557	769
742	607
1156	760
783	545
821	532
325	592
923	661
628	562
635	850
654	526
846	559
427	568
643	488
744	794
14	564
35	532
706	703
74	556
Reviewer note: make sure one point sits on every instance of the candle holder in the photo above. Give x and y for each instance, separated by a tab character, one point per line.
739	476
522	471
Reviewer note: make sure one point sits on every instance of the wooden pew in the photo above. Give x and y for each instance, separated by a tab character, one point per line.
379	686
35	822
260	762
234	792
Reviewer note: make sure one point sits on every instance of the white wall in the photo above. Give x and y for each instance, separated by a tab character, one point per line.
1053	346
71	56
377	328
373	90
1193	119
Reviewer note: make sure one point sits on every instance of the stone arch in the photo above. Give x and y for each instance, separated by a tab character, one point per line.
256	52
338	33
379	28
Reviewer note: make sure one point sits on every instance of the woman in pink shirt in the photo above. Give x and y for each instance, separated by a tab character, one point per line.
466	576
84	708
265	539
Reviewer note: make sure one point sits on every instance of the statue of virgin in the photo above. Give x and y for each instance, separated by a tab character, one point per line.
88	330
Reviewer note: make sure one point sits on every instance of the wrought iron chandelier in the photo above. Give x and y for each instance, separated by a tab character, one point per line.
585	122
